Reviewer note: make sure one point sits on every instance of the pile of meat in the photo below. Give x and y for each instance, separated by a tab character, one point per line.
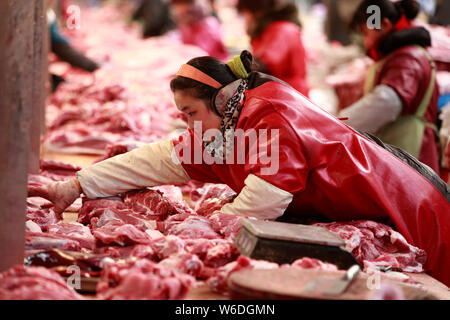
127	101
157	243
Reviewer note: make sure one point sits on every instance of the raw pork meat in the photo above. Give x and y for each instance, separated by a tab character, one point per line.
211	198
119	148
218	282
121	234
74	231
57	170
348	81
139	251
167	246
376	244
188	226
90	264
45	241
94	208
154	204
142	280
227	225
310	263
43	217
34	283
185	263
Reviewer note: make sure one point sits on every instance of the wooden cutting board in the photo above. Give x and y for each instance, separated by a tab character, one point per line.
288	283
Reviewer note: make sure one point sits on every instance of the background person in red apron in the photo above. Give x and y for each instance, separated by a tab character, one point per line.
400	105
318	166
198	27
276	40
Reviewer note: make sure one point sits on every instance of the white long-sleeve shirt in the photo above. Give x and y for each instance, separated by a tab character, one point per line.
153	165
375	110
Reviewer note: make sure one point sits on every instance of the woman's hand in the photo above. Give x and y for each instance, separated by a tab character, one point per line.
62	193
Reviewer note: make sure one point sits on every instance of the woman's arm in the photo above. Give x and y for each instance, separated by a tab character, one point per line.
374	111
259	199
147	166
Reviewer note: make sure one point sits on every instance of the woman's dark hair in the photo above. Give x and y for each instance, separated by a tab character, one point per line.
216	69
388	9
257	5
268	11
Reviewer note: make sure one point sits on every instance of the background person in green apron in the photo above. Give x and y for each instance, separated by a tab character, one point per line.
400	102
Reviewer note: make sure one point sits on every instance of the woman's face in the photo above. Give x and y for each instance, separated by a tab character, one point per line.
371	37
196	110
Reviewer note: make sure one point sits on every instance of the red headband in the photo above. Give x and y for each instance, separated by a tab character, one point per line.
193	73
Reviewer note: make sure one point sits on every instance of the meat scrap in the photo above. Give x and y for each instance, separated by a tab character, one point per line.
188	226
153	203
57	170
311	263
43	217
185	263
142	280
74	231
211	198
218	282
140	251
89	208
227	225
90	264
34	283
375	244
46	241
120	234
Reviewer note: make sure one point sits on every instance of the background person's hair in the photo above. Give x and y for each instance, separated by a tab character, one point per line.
216	69
388	9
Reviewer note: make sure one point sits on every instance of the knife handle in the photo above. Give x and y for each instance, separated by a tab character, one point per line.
352	272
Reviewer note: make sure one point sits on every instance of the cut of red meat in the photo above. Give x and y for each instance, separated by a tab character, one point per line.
38	180
34	283
153	203
348	81
310	263
31	226
46	241
89	208
171	192
221	254
139	251
121	234
188	226
57	170
117	216
185	263
167	246
212	198
142	280
43	217
227	225
119	148
74	231
90	264
376	244
218	282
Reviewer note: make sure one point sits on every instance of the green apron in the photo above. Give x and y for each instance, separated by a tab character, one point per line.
407	131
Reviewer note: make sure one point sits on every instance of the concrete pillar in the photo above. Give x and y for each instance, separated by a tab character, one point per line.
40	85
20	80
